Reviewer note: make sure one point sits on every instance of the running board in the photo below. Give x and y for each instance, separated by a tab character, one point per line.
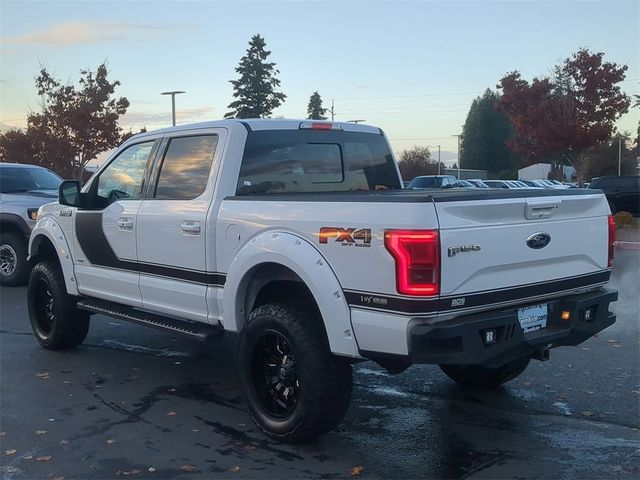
195	330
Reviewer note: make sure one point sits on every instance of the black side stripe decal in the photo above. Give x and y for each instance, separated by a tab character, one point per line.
418	305
96	247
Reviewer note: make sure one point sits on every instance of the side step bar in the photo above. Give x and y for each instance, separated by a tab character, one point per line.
195	330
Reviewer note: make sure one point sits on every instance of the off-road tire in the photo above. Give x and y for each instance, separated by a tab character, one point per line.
16	244
56	321
483	377
325	381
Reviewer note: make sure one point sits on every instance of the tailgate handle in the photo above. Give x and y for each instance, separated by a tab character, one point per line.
537	210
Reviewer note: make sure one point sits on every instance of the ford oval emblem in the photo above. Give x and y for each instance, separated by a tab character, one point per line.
538	240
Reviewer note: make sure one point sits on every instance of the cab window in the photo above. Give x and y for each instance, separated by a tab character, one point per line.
122	179
185	167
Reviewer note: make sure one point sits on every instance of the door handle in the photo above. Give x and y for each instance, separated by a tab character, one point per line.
125	223
191	227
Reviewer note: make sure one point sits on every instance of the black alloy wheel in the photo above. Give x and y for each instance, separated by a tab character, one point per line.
274	373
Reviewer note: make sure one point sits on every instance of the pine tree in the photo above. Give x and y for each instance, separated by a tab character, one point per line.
255	90
314	109
485	135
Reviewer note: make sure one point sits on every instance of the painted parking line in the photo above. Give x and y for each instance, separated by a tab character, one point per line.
627	245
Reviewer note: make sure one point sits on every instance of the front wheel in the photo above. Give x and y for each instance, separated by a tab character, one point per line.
55	320
14	266
294	387
483	377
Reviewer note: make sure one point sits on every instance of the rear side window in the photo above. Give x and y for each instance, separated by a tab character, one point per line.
305	161
185	167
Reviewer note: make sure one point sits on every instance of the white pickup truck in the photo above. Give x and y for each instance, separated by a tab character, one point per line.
298	236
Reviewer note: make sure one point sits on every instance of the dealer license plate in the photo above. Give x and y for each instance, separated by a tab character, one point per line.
533	318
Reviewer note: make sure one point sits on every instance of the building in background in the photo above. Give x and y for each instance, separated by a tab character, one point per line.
541	170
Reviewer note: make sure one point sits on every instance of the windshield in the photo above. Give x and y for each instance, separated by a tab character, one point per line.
20	180
426	182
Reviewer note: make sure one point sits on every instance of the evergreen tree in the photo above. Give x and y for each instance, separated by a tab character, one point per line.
485	135
314	109
255	90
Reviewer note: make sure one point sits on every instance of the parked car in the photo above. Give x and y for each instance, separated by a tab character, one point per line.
23	189
498	184
287	234
465	184
478	183
433	181
532	183
622	192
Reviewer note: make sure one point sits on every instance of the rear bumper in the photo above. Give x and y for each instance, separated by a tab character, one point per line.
462	340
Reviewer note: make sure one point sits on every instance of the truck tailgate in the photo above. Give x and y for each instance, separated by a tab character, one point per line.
539	244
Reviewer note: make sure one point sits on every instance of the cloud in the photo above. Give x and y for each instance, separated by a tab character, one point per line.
183	115
79	33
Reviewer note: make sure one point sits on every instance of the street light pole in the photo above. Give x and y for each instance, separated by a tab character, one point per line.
619	155
438	159
173	94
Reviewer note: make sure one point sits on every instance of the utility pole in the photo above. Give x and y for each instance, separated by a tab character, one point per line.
173	104
438	159
458	137
332	110
619	154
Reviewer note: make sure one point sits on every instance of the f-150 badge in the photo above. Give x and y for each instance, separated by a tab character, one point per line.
347	237
453	251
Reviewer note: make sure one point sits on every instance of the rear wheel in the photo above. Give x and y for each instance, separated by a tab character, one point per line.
14	267
294	387
55	320
483	377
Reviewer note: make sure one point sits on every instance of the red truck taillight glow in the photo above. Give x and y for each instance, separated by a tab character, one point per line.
417	257
612	239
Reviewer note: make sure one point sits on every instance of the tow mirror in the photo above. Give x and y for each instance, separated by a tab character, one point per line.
69	193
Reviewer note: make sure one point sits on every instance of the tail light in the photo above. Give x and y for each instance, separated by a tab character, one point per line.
612	239
417	256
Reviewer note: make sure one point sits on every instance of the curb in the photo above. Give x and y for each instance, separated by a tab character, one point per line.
627	245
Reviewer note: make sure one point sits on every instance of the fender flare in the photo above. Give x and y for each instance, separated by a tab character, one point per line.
48	228
299	256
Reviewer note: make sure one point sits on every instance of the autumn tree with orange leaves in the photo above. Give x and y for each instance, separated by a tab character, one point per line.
563	116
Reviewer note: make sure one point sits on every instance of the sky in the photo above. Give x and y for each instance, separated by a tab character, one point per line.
410	67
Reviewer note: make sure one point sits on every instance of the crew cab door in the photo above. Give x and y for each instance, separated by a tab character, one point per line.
105	232
172	229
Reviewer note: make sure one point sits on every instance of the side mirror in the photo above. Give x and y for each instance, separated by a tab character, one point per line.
69	193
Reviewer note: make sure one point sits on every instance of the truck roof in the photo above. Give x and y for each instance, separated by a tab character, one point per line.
253	124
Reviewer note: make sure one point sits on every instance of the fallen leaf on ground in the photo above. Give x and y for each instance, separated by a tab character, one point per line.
589	392
171	390
67	382
152	470
613	341
357	470
40	432
64	442
2	434
547	386
28	457
43	375
8	453
234	469
188	468
588	414
110	441
44	458
57	478
177	363
171	414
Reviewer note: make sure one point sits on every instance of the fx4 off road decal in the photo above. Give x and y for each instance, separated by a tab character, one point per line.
347	237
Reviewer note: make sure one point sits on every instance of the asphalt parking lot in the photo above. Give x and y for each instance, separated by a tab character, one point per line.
135	403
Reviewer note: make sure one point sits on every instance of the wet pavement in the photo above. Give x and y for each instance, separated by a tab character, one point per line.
136	403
